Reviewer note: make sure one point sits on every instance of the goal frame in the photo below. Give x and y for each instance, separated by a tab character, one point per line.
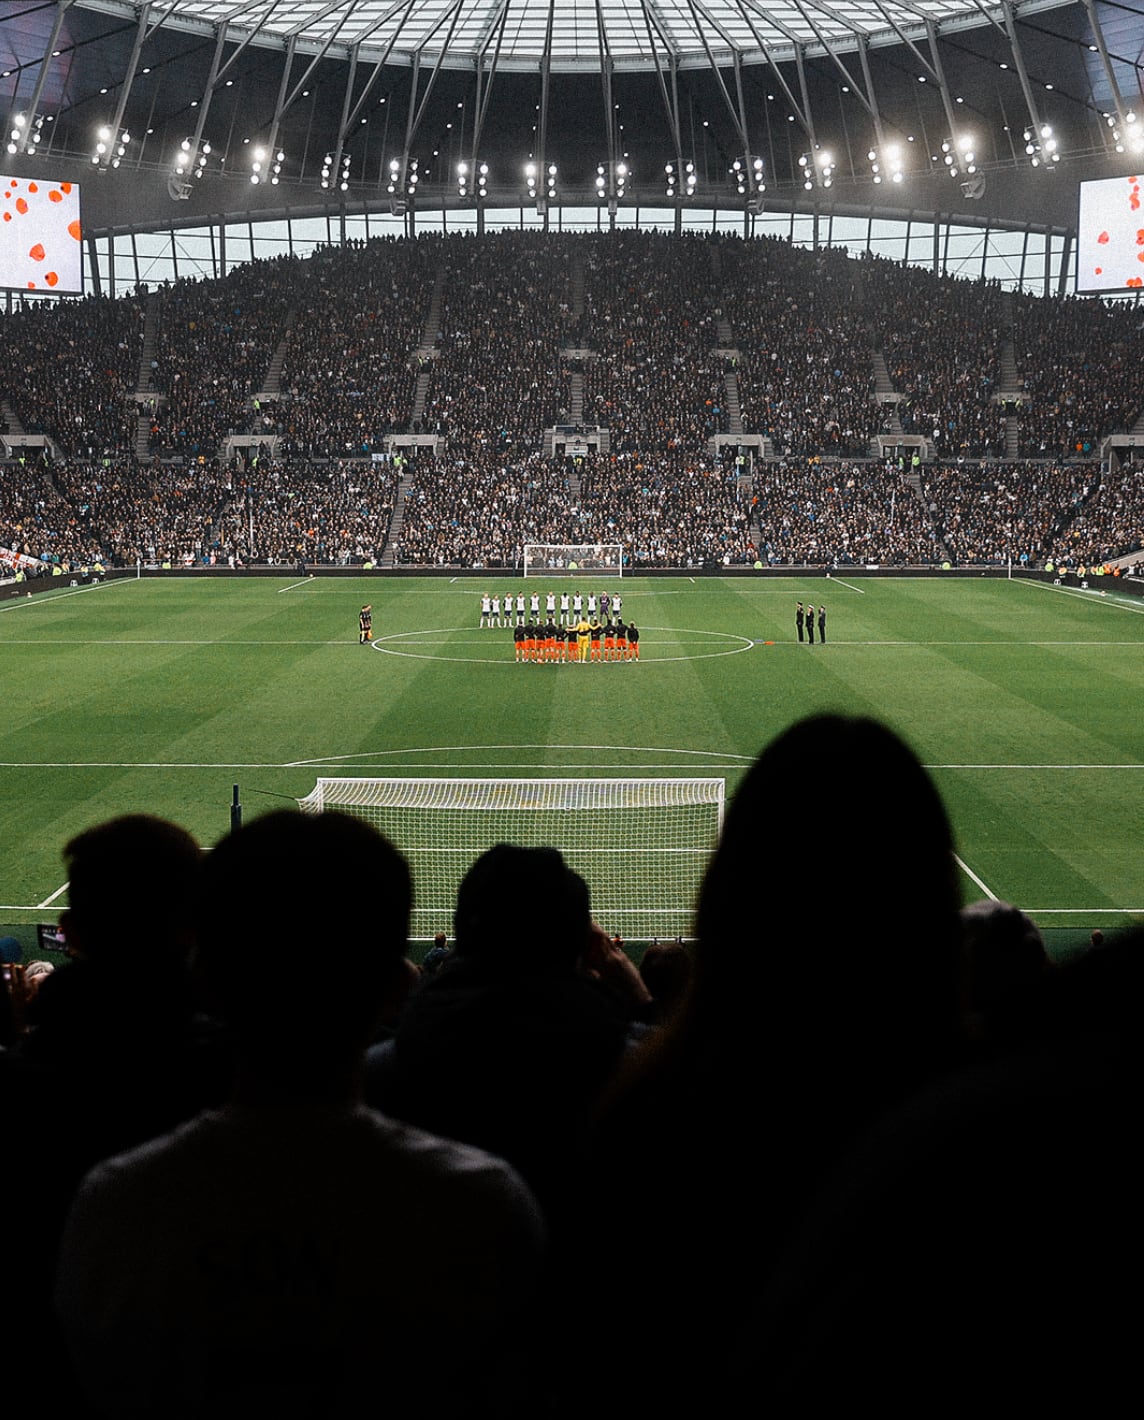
576	559
644	884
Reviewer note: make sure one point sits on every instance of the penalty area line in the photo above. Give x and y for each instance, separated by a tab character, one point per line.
969	873
838	582
47	902
305	582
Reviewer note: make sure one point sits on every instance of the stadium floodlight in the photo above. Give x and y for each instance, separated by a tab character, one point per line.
682	182
1041	147
885	163
1127	133
642	845
399	180
573	559
817	167
266	168
958	156
26	132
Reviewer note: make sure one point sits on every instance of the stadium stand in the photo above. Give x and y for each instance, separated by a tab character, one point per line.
273	398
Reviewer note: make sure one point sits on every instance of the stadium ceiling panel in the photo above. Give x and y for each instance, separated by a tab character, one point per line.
578	34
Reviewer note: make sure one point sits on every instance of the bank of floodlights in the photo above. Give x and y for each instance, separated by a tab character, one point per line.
400	181
1127	134
540	181
191	162
747	175
339	179
110	149
885	163
25	133
958	156
816	168
1041	147
680	179
266	167
611	181
473	179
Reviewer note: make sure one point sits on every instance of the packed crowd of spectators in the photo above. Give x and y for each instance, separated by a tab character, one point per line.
650	311
214	345
941	339
479	511
805	374
1005	512
349	374
498	376
839	513
70	370
650	319
1109	523
1080	366
236	1186
291	512
674	509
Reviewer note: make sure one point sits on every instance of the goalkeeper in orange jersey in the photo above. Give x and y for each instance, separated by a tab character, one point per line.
365	624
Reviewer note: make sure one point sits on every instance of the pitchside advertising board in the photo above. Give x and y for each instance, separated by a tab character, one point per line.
40	247
1110	235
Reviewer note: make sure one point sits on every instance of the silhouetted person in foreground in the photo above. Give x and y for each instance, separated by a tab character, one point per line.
823	993
509	1045
115	1056
293	1251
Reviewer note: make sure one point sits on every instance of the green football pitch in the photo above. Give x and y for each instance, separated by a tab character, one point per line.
1023	699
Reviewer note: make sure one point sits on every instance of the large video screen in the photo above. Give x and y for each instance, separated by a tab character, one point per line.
40	246
1110	235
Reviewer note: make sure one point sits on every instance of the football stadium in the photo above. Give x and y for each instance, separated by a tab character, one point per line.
571	577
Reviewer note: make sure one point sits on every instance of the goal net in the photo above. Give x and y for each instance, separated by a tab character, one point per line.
642	845
573	559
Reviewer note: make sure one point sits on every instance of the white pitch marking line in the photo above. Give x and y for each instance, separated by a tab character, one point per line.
47	597
1034	766
1091	595
1080	911
473	749
305	582
969	873
47	902
840	583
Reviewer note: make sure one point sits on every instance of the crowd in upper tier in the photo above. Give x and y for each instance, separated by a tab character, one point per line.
652	325
480	345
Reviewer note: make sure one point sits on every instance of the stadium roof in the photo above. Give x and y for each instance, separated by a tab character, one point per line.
353	86
578	34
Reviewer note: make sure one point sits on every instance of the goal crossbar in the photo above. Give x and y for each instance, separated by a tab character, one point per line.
641	844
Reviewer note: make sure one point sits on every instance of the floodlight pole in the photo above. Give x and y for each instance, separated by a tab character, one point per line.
62	7
1106	62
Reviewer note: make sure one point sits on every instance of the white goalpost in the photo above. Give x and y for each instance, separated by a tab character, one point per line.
573	559
642	845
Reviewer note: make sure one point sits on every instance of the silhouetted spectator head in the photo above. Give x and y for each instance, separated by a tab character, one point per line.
523	908
279	897
838	846
130	885
1004	955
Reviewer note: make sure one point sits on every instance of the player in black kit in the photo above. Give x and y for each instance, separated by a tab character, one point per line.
365	625
822	624
798	618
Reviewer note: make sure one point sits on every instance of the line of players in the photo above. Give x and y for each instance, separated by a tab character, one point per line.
586	641
573	609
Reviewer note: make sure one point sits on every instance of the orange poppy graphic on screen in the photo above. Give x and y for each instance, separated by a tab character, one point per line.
40	235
